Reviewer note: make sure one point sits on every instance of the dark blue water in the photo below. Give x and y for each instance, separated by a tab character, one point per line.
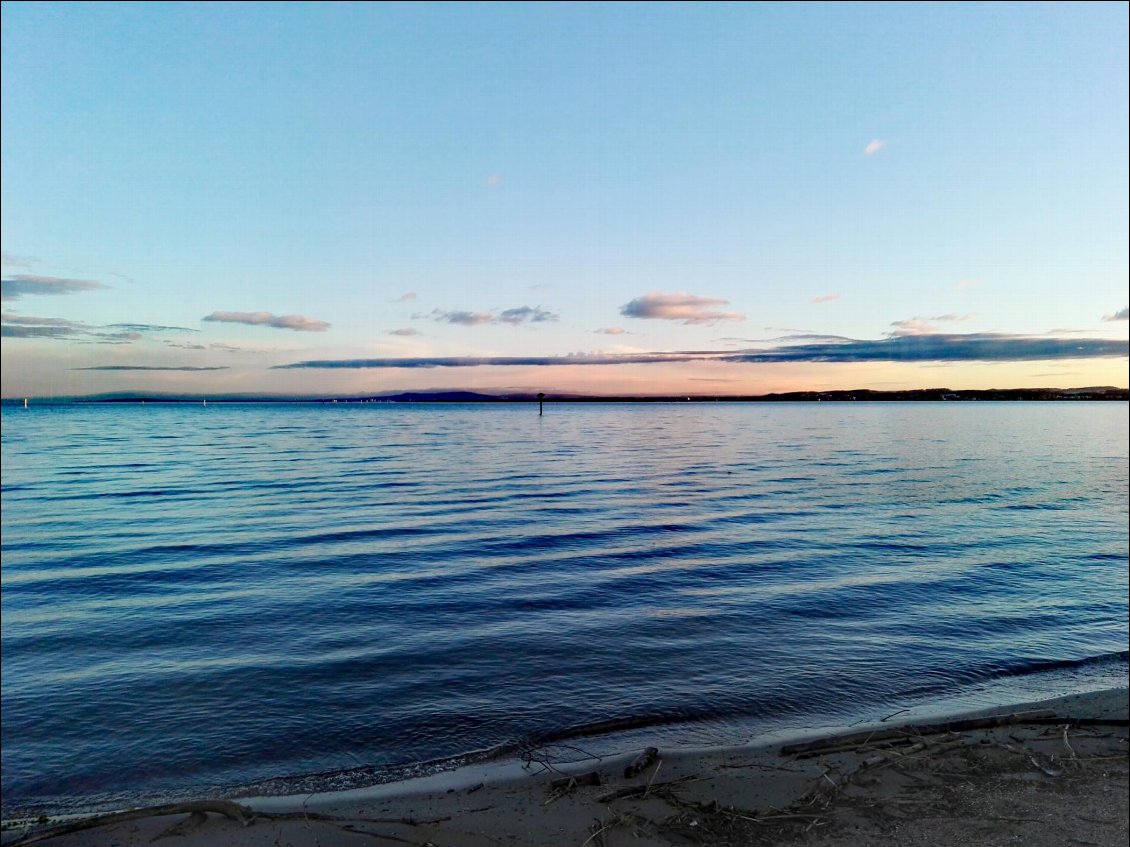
207	596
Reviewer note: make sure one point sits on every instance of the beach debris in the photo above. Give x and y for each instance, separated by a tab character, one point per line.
590	778
566	785
185	827
643	761
1070	749
1045	764
639	825
548	756
845	742
242	815
893	715
659	788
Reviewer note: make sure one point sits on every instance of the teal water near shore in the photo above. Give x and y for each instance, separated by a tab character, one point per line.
199	596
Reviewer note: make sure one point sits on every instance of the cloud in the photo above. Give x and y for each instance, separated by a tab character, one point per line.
28	320
825	298
497	361
679	306
913	326
150	328
944	347
526	314
147	368
925	326
874	146
494	180
20	284
1122	314
462	318
405	331
7	331
27	326
10	260
180	346
405	297
299	323
612	330
962	284
519	315
938	347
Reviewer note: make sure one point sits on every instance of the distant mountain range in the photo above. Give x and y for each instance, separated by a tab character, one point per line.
854	395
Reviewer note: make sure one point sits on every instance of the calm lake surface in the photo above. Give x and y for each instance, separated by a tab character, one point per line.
207	596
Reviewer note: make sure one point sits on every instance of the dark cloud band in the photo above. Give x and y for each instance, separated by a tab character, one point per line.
16	286
145	368
987	347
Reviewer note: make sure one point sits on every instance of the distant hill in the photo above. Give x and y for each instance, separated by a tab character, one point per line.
854	395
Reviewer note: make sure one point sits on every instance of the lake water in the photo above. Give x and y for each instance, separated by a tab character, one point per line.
209	596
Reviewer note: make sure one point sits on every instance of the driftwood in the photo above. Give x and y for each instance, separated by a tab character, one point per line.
846	742
590	778
233	811
826	745
198	811
642	790
641	762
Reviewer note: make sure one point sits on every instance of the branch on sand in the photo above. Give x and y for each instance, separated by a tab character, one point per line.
846	742
198	811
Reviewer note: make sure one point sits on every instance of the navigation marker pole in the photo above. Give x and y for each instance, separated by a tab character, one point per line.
541	397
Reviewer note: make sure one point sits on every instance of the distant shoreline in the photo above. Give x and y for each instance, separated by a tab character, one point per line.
1103	393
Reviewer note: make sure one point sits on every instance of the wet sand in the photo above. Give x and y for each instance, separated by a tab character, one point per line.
1047	773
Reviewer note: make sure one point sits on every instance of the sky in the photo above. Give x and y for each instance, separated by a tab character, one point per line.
331	199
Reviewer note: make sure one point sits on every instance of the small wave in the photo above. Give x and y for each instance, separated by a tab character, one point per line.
1042	665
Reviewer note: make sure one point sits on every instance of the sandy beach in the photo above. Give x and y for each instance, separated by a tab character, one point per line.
1048	773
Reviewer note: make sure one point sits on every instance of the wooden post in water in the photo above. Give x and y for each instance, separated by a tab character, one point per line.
541	397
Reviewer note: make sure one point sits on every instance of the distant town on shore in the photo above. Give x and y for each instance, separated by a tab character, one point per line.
853	395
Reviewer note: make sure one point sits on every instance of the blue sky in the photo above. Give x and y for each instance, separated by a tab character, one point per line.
244	188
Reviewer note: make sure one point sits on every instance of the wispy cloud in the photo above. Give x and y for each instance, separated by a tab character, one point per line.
612	330
939	347
497	361
29	326
1122	314
874	146
679	306
18	285
116	337
494	180
456	316
962	284
10	260
405	297
518	315
178	345
7	331
150	328
28	320
825	298
299	323
405	331
148	368
526	314
926	326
